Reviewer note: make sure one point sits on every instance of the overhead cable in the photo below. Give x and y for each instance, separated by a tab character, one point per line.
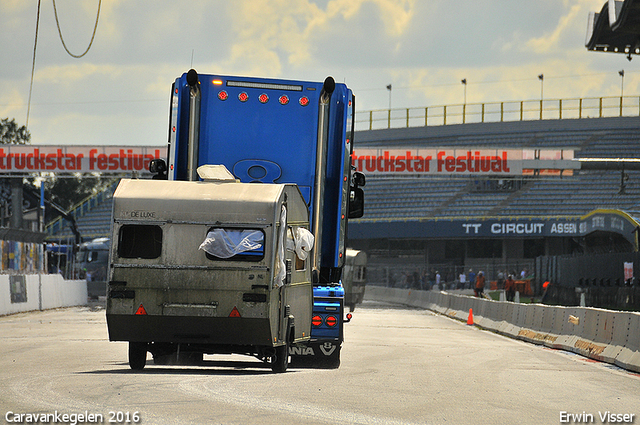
55	11
33	64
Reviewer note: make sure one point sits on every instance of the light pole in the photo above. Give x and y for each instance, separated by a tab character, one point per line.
389	88
621	74
389	111
464	105
541	78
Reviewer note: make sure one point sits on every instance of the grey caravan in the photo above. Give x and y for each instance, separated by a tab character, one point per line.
209	267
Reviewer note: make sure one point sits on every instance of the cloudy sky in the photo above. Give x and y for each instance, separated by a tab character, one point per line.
118	93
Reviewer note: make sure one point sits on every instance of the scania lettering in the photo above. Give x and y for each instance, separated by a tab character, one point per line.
241	248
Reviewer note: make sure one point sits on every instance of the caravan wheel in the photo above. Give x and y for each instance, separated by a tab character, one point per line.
137	355
280	361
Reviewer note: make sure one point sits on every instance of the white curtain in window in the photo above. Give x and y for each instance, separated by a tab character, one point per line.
225	243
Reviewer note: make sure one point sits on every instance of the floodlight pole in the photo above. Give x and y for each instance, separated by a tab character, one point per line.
389	88
464	105
541	78
621	74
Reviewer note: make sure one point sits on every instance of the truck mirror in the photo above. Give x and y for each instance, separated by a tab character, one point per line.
358	179
356	203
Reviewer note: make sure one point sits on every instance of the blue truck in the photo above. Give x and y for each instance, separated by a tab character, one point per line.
265	132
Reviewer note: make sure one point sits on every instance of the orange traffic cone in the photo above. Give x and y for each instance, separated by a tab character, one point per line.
470	319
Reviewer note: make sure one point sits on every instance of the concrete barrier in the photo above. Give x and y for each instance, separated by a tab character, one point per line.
629	357
556	325
20	293
457	308
619	332
571	329
16	297
489	311
516	320
505	312
599	334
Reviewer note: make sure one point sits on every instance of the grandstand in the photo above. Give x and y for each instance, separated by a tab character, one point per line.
420	223
426	221
425	197
92	216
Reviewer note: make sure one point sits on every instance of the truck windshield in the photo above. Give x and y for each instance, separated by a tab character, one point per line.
234	244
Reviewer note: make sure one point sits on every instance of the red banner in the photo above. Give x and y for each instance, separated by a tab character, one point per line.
80	159
438	161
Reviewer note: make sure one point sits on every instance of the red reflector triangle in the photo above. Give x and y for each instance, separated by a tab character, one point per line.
141	310
234	312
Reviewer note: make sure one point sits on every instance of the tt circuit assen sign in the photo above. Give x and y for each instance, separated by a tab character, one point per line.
77	159
607	221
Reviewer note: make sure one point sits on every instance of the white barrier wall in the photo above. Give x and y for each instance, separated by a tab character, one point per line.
604	335
20	293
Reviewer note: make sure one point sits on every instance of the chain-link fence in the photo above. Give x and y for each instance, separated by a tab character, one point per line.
408	275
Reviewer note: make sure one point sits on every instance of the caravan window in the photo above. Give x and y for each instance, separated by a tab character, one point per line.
234	244
140	241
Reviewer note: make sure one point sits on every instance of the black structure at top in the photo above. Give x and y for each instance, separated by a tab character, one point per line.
616	28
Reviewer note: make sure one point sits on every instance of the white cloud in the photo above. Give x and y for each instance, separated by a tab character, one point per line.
271	34
424	48
553	41
11	102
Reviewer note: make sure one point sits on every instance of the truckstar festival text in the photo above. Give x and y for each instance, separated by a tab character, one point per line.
114	159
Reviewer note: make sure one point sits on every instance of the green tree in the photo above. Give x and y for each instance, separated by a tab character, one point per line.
11	133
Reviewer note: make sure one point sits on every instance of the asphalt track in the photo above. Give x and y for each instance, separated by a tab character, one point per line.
399	366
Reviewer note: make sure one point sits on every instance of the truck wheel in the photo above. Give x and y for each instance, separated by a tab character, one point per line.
137	355
280	361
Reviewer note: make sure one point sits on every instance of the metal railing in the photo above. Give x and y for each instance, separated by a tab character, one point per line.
525	110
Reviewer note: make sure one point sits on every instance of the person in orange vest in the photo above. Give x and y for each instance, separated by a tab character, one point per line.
545	286
479	284
510	288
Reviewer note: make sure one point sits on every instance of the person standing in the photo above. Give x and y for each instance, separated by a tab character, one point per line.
479	290
500	279
510	288
463	280
471	278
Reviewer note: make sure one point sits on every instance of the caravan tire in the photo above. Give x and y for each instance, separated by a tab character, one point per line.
280	361
137	355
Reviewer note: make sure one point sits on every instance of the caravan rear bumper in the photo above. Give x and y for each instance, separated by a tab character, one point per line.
190	330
